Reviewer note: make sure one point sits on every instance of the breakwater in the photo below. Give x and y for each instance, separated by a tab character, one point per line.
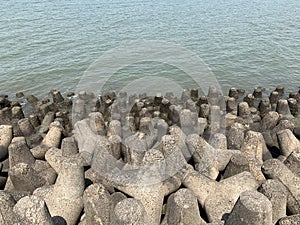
138	159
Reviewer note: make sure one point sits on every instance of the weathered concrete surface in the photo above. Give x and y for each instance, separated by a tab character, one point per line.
7	202
182	208
66	198
97	205
277	193
130	212
32	211
251	208
218	198
290	220
6	135
275	169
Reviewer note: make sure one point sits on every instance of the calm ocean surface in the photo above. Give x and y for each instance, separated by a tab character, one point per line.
48	45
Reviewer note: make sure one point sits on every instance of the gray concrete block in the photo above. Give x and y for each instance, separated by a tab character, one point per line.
66	199
290	220
32	210
275	169
130	212
25	178
97	205
251	208
182	208
276	192
7	202
6	135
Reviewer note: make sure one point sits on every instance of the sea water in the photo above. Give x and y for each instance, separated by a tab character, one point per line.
48	45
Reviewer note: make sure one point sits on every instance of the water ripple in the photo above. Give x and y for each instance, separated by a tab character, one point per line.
48	44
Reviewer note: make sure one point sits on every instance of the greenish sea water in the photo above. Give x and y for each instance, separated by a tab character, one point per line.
48	45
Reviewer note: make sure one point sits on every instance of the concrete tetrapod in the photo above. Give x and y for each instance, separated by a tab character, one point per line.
47	120
152	197
235	136
6	135
231	105
149	184
69	146
270	121
7	202
19	152
287	142
277	194
55	158
275	169
28	131
251	208
97	205
97	123
130	212
253	148
208	161
32	210
238	163
218	198
114	128
25	178
293	162
115	199
283	108
66	199
271	137
53	137
290	220
182	208
218	141
86	138
44	170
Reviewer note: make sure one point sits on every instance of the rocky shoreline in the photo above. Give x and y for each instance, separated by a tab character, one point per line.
150	160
